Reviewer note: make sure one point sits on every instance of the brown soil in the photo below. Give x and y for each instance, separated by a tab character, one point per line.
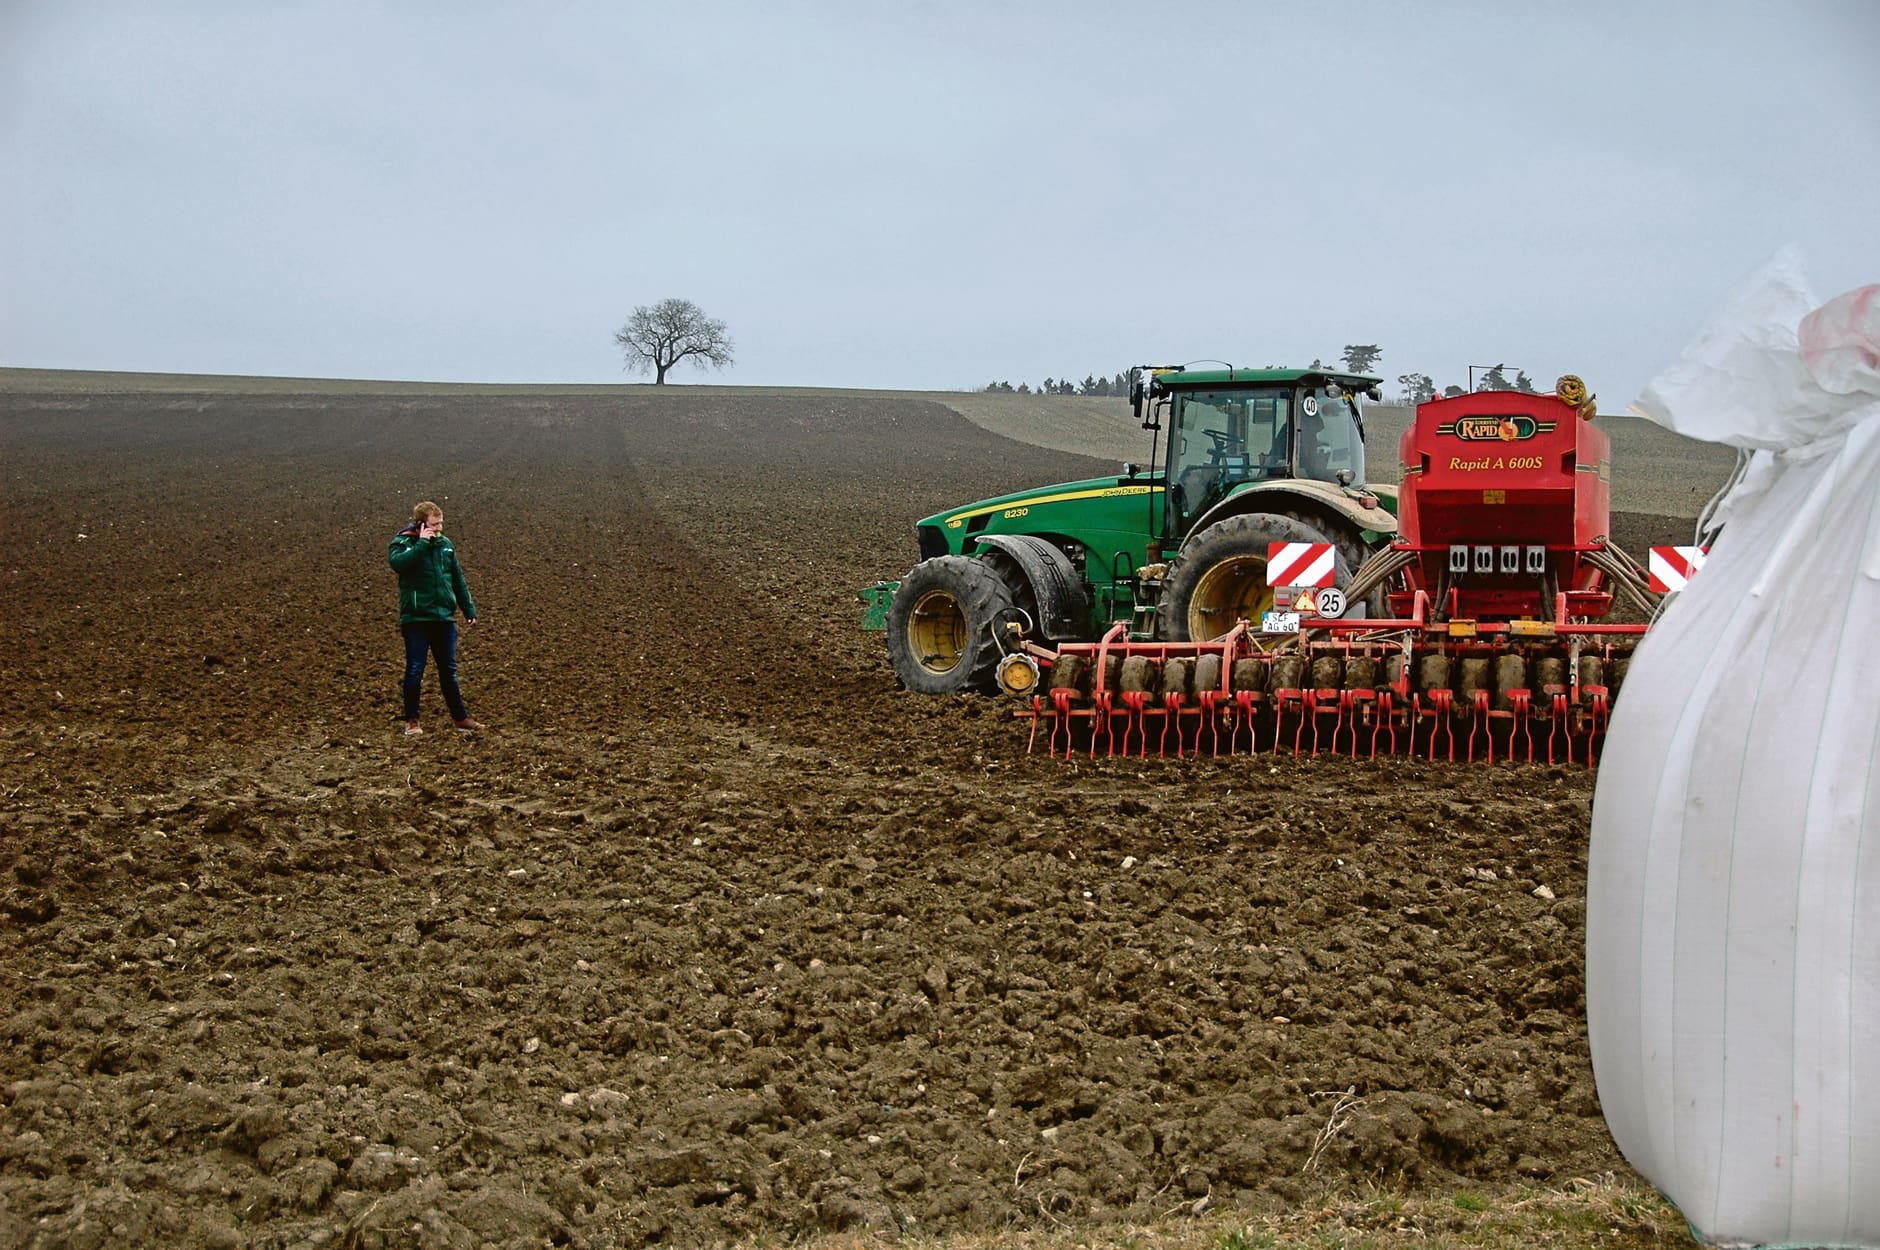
712	932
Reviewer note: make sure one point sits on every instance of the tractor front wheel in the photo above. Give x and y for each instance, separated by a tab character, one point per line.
942	625
1219	577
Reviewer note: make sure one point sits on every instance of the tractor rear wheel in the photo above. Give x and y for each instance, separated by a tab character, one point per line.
942	622
1219	577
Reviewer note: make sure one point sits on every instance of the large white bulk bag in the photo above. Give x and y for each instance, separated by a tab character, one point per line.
1733	900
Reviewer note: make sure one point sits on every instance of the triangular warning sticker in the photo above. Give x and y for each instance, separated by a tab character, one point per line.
1307	604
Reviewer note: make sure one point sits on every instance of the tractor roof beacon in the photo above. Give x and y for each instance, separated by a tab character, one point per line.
1175	551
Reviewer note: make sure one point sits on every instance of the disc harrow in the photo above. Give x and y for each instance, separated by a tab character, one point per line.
1455	690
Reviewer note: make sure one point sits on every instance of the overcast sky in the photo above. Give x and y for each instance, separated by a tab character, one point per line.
919	195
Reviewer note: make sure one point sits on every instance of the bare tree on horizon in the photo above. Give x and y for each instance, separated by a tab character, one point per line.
659	336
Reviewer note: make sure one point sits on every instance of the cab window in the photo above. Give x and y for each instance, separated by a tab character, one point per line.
1329	443
1222	439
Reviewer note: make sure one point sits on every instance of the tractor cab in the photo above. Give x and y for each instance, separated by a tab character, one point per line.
1175	551
1231	428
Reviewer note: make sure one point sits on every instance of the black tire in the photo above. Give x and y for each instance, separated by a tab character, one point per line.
1219	576
941	625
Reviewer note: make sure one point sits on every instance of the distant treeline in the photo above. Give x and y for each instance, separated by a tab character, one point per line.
1092	385
1413	388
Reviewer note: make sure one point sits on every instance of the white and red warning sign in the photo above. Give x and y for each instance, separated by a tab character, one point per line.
1299	564
1672	567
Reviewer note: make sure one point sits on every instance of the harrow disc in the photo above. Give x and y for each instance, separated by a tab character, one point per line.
1469	700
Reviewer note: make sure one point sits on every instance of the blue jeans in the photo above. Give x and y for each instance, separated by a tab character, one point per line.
440	639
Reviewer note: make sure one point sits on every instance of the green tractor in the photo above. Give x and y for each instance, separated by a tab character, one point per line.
1176	552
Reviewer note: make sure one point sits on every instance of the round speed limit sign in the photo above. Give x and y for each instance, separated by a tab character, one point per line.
1331	603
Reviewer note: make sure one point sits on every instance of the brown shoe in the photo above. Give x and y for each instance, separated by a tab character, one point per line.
413	729
469	724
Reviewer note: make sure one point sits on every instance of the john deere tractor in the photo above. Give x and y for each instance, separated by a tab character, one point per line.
1175	551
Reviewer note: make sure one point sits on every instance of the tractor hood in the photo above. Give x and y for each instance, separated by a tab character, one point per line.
1112	515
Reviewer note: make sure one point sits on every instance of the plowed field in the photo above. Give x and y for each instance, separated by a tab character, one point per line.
713	932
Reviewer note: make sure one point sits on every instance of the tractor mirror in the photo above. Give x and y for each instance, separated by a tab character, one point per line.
1135	394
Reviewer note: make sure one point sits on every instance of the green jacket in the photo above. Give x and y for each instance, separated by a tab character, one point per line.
430	581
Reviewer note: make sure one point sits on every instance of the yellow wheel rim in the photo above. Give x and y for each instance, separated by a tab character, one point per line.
936	631
1232	591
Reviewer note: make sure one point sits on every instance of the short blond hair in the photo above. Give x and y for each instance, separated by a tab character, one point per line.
426	509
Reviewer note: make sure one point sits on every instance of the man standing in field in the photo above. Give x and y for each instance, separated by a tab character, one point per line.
431	590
